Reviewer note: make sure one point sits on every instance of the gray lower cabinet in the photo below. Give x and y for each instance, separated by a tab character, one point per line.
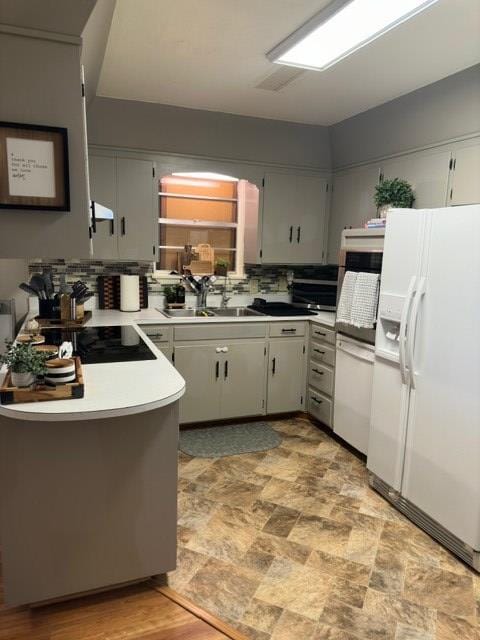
199	365
321	374
127	186
286	376
224	380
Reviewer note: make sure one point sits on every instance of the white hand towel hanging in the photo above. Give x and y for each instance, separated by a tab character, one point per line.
365	300
344	309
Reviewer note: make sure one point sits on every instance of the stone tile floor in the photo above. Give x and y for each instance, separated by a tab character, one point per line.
292	544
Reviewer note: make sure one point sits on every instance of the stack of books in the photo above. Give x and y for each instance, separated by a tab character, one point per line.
376	223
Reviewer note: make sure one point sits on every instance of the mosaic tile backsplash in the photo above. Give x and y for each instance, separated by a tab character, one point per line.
261	279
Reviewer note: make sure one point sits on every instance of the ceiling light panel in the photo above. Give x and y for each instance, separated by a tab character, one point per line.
342	28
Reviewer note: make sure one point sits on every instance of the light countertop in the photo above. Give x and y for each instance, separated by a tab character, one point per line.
128	388
104	317
111	390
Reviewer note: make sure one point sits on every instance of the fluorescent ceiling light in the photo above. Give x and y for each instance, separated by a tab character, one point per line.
343	27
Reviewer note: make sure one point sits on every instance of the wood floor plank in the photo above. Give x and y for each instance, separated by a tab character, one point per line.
137	612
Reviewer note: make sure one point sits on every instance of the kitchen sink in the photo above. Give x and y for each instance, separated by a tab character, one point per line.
227	312
188	313
236	312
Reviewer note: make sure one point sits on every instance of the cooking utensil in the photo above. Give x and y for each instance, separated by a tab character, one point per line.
37	282
28	289
85	297
48	283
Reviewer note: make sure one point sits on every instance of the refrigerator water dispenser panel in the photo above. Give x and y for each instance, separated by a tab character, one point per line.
390	307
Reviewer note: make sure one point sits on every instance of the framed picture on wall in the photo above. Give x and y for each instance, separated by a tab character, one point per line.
34	167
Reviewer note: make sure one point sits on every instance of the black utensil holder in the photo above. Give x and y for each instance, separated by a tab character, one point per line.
49	309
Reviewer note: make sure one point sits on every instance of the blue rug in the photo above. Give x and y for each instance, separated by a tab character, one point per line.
228	440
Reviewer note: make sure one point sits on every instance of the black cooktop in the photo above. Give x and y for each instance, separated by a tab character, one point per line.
96	345
280	309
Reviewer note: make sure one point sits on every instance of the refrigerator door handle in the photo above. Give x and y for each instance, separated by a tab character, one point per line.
403	330
413	329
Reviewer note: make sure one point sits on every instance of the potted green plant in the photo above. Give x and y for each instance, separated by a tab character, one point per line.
25	363
393	193
221	267
170	294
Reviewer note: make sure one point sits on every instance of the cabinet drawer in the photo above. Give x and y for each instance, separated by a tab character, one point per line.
322	352
220	331
320	407
285	329
321	377
157	333
321	333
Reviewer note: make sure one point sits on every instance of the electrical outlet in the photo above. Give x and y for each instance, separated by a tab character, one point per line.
253	284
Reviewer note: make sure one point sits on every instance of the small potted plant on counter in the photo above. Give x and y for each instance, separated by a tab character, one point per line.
170	294
393	193
221	267
25	363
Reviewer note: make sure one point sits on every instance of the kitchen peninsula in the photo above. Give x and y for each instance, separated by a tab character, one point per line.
89	486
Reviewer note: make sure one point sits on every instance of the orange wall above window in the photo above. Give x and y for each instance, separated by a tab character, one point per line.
193	209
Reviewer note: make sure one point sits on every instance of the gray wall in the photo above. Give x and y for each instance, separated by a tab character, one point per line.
441	111
40	84
12	272
94	43
154	127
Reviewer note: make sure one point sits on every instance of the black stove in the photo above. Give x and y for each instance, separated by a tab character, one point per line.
95	345
279	309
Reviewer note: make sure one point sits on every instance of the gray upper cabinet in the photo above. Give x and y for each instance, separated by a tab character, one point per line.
137	209
127	186
294	219
352	203
103	191
465	177
426	172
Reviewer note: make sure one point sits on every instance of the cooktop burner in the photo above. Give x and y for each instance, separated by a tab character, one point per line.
96	345
280	309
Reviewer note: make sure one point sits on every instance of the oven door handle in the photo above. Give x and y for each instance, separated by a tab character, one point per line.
403	330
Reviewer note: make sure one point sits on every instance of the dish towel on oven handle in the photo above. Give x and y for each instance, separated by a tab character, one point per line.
365	300
344	309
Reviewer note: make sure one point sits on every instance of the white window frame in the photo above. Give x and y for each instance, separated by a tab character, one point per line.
239	272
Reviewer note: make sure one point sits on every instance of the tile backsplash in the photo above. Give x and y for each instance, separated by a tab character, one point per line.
258	279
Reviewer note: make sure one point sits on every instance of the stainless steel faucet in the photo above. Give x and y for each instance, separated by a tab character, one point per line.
225	298
200	288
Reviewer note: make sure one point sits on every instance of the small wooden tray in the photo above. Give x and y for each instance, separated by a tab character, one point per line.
63	324
40	393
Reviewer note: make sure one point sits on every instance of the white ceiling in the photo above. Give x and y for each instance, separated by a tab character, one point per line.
210	54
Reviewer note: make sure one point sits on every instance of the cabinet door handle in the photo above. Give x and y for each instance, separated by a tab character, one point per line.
319	333
317	401
123	226
274	365
320	352
112	227
225	370
289	330
94	219
298	234
320	373
217	370
291	234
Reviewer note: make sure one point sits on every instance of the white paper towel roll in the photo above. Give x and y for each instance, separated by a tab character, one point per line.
129	293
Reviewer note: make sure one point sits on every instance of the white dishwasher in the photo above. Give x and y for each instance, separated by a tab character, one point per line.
353	391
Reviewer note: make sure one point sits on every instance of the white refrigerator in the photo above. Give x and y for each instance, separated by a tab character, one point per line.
424	445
